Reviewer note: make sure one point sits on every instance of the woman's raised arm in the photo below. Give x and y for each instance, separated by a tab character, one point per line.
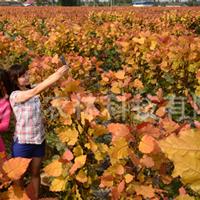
23	96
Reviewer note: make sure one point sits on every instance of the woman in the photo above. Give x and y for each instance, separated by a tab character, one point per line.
5	109
29	129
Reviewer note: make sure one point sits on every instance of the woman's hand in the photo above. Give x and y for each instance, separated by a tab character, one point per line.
62	70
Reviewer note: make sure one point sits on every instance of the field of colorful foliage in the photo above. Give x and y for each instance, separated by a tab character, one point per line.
123	124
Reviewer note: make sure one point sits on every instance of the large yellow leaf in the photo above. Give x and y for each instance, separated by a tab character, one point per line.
184	151
70	135
81	176
58	185
15	167
119	150
54	168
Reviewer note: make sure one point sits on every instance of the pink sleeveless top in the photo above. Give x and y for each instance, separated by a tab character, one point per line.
5	111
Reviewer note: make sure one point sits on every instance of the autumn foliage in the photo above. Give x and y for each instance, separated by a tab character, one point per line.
111	131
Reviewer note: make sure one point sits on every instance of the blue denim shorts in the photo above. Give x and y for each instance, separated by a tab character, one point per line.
28	150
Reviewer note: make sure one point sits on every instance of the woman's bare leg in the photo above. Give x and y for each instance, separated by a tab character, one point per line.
35	174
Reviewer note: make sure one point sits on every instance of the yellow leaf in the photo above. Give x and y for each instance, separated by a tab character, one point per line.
78	195
92	146
58	185
120	74
153	45
54	168
119	150
184	151
78	151
71	86
116	169
68	135
81	177
105	115
115	89
184	197
102	151
100	130
128	178
139	40
86	116
138	84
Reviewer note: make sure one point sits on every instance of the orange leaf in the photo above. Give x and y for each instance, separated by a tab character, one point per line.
118	131
138	84
79	162
182	191
116	191
147	161
154	99
169	125
55	59
16	193
145	191
133	157
54	168
147	144
120	74
16	167
68	107
148	129
194	104
121	186
161	111
120	169
106	181
88	100
68	156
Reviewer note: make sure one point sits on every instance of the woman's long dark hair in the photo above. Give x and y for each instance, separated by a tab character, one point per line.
15	72
5	83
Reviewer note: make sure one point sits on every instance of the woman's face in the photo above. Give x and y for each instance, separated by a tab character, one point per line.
23	80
